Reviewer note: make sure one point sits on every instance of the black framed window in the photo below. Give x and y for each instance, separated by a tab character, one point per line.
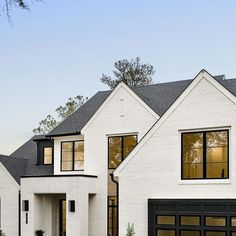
112	216
119	148
205	155
72	156
47	155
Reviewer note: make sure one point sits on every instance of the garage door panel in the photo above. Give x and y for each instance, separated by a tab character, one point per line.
191	217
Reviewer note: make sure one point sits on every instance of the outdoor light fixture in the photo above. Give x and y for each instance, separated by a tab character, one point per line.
71	206
25	206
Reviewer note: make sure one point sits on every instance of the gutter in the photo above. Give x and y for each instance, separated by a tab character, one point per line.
19	213
117	191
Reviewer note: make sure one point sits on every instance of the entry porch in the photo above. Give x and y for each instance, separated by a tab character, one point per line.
57	205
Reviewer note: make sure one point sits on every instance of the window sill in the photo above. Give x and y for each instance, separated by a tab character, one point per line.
204	181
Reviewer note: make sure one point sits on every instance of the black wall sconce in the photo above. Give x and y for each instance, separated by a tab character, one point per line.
71	206
25	205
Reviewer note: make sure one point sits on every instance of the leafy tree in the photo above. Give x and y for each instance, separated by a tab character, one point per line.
49	123
130	230
9	4
133	73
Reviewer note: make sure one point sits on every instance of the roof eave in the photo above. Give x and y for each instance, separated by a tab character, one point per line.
63	134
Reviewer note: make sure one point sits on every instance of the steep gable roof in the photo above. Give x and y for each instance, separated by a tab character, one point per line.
15	166
74	123
228	88
158	97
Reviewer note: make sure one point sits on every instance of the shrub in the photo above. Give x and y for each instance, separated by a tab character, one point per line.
130	230
1	233
39	232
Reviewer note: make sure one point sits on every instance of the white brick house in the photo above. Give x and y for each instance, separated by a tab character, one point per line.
169	147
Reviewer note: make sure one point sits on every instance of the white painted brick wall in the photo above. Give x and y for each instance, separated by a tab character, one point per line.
9	192
74	188
155	170
122	115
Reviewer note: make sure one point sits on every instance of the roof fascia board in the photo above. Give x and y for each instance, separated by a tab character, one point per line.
9	175
120	85
65	134
203	74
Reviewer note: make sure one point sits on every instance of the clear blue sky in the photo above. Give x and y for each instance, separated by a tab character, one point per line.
60	48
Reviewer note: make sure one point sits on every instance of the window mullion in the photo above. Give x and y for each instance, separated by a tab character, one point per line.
73	156
204	155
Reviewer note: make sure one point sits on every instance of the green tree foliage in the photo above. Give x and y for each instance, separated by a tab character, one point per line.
49	123
130	230
133	73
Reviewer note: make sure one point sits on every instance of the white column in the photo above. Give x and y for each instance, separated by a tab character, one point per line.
77	222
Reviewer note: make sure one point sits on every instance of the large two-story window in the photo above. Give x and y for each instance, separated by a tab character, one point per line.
205	155
72	156
119	148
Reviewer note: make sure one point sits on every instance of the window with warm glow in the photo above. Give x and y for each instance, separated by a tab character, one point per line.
205	155
119	148
72	156
47	155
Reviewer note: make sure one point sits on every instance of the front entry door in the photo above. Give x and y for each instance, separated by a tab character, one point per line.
62	217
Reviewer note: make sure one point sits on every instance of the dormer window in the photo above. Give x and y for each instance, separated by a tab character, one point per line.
47	155
72	156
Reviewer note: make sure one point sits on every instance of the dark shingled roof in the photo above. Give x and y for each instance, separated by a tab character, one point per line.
15	166
74	123
24	161
158	97
29	151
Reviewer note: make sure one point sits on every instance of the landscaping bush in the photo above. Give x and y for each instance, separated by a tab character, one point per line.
1	233
39	232
130	230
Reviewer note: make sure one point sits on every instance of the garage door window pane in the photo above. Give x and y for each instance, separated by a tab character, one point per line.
166	220
233	221
190	220
233	234
215	221
163	232
190	233
215	233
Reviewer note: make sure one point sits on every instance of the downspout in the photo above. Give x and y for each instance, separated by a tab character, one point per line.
117	191
19	210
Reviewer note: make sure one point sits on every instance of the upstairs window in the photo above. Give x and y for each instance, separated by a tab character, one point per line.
72	156
119	148
47	155
205	155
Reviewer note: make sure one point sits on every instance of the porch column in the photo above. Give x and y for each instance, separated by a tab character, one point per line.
77	222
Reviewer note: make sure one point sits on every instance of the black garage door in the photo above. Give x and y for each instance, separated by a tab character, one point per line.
191	217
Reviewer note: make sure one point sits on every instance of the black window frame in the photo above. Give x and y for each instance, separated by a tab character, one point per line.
109	206
122	147
204	132
44	155
73	155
